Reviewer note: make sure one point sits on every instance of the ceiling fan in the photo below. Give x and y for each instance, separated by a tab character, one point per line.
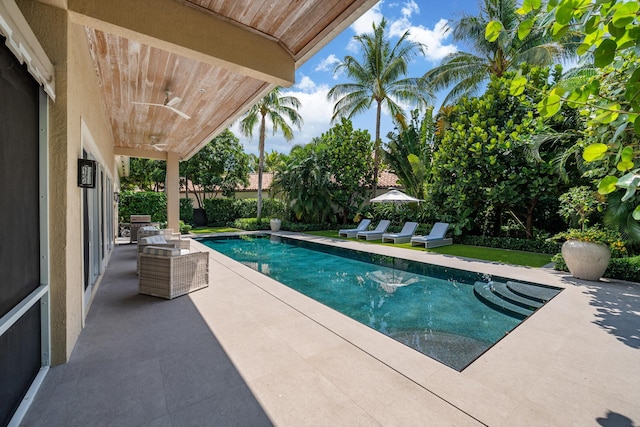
168	103
154	143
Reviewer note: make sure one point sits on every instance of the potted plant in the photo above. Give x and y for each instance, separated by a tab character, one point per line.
586	250
275	224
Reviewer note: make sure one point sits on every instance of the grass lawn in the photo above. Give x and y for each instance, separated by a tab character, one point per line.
507	256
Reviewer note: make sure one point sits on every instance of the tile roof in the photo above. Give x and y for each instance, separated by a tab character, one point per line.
386	180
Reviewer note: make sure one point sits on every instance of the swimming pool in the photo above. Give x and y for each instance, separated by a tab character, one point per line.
447	314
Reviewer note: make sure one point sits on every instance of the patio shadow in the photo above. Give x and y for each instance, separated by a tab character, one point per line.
141	360
618	310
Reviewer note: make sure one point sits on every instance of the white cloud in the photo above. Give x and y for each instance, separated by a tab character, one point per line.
434	39
410	8
328	64
364	24
306	84
315	109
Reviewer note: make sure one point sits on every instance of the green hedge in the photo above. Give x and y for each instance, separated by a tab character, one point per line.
186	210
619	268
220	211
225	211
142	203
302	227
251	224
531	245
271	208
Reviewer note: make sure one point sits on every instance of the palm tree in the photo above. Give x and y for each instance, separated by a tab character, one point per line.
467	72
279	108
380	78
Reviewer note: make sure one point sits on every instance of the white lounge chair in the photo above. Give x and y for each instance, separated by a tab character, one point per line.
403	236
351	232
375	234
435	238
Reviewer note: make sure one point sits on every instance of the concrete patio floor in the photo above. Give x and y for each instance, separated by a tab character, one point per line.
250	351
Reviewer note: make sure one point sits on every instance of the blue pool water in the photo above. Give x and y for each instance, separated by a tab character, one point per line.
429	308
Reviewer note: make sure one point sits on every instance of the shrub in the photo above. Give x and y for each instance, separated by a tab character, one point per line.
184	228
220	211
251	224
596	234
624	269
531	245
619	268
142	203
271	208
558	262
186	210
246	208
302	227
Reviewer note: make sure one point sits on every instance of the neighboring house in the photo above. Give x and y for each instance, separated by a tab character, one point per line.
386	182
84	86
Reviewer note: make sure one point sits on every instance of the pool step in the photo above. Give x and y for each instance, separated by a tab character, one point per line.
538	293
494	295
503	291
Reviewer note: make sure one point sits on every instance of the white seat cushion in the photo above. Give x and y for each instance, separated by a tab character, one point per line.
161	251
155	239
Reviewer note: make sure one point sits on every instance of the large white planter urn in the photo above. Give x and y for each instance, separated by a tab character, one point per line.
586	260
275	224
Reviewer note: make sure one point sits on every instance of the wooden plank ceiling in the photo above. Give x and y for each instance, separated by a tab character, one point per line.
133	74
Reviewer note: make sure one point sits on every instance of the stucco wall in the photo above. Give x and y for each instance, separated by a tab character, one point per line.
77	100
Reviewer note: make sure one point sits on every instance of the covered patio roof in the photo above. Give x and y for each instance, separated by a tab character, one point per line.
218	57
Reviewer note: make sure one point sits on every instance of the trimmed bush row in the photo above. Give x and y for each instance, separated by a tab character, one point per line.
225	211
540	246
142	203
251	224
619	268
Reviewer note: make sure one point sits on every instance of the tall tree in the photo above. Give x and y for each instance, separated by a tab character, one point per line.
305	181
145	175
346	152
609	33
408	152
380	79
468	72
220	166
483	164
278	108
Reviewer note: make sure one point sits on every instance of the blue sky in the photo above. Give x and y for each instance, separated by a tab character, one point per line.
425	20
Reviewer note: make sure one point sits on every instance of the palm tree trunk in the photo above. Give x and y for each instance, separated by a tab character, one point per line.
261	165
376	151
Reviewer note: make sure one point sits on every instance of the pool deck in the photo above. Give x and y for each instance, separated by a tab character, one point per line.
250	351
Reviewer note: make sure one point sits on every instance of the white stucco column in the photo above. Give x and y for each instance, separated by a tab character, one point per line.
172	189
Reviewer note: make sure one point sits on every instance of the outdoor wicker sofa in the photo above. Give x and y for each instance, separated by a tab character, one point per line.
166	273
161	241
